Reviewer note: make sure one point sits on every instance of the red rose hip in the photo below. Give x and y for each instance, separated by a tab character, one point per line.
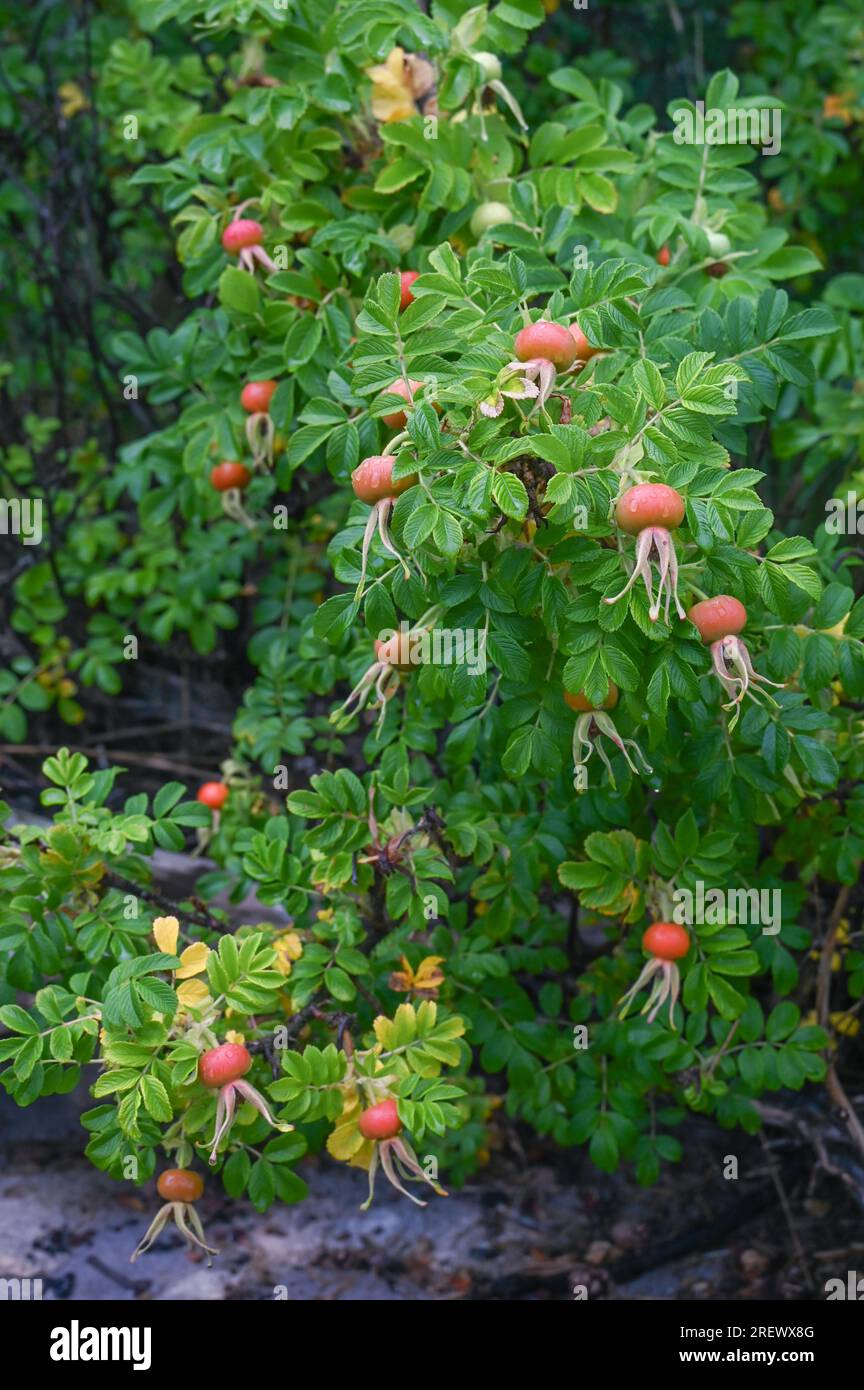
243	232
649	504
229	475
584	350
550	341
666	941
380	1121
407	390
406	280
580	701
179	1185
372	480
650	511
223	1064
212	794
396	652
723	616
719	621
257	395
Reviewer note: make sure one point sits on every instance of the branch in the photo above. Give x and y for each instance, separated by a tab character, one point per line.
833	1084
204	918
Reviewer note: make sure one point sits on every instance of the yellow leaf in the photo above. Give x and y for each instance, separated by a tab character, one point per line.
363	1156
193	960
384	1030
233	1036
72	99
291	944
346	1142
390	74
389	109
193	994
392	89
402	980
406	1018
845	1023
288	948
428	975
165	933
426	1016
838	105
401	1029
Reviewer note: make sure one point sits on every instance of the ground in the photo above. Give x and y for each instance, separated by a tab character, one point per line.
537	1224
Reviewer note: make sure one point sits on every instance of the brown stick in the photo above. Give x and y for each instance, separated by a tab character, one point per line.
135	1285
120	755
833	1084
153	730
204	918
800	1253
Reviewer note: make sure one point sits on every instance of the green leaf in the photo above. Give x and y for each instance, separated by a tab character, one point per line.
340	985
17	1019
261	1185
398	175
509	494
155	1098
238	290
599	193
111	1081
235	1173
782	1021
166	798
649	381
603	1147
420	523
302	341
728	1002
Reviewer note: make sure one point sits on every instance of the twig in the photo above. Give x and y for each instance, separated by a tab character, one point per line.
800	1253
152	730
833	1084
823	983
811	1134
120	755
368	996
135	1285
204	918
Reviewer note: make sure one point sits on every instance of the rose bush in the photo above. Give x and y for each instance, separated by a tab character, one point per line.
464	922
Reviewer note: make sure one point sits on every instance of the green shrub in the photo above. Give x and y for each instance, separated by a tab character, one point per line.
468	908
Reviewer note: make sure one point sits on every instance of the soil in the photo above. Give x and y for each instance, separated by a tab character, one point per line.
536	1224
